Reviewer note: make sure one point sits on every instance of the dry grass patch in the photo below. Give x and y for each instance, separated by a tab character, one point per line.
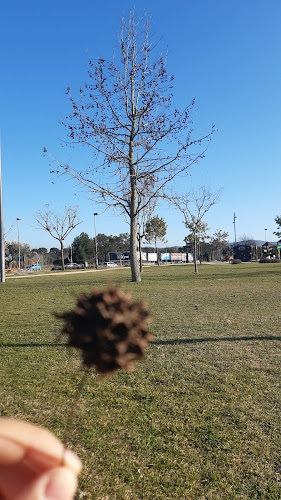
198	420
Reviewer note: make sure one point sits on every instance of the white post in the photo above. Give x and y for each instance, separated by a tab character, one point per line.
2	245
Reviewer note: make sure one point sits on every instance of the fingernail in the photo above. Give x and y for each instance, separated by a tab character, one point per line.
10	451
62	485
72	462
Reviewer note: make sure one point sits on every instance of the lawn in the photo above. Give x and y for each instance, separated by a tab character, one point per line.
197	420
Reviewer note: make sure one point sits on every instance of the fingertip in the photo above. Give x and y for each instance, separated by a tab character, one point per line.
61	485
72	462
57	484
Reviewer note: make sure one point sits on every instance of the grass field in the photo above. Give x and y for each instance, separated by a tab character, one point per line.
197	420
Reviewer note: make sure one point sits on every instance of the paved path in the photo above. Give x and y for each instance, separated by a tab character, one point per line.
77	271
61	273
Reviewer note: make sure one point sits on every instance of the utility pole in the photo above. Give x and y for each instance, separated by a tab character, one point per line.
2	246
234	218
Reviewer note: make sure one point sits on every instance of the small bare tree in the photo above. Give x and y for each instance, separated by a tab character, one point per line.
194	205
58	226
6	231
125	116
247	239
144	218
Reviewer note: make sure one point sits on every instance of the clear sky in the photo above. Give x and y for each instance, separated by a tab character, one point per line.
226	54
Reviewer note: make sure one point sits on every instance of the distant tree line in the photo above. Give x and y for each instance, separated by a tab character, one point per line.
30	255
82	249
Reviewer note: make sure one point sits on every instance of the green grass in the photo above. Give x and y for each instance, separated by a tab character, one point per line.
197	420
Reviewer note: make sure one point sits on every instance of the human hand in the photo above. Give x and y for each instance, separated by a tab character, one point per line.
31	465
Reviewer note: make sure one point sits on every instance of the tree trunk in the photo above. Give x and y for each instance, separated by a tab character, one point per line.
135	272
61	253
139	240
195	253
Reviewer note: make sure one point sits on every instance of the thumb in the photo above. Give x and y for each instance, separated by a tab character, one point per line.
57	484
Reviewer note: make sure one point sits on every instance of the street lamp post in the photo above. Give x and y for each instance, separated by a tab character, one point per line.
265	235
2	244
96	243
18	219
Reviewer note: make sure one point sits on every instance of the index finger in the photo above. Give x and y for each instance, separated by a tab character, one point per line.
20	440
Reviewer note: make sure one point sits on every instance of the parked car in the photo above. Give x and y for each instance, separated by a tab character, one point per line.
74	265
108	264
34	267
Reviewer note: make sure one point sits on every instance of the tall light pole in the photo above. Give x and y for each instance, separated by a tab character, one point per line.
2	246
265	235
18	219
96	243
234	219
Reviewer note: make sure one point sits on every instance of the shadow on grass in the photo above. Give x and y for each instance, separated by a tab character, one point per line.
31	344
160	342
214	339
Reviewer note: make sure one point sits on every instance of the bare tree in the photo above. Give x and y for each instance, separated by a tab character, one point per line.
3	245
6	231
59	226
247	239
143	220
124	115
194	205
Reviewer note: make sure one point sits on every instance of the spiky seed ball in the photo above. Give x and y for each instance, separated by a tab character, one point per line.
110	329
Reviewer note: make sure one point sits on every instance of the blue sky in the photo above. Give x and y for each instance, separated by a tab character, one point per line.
226	54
